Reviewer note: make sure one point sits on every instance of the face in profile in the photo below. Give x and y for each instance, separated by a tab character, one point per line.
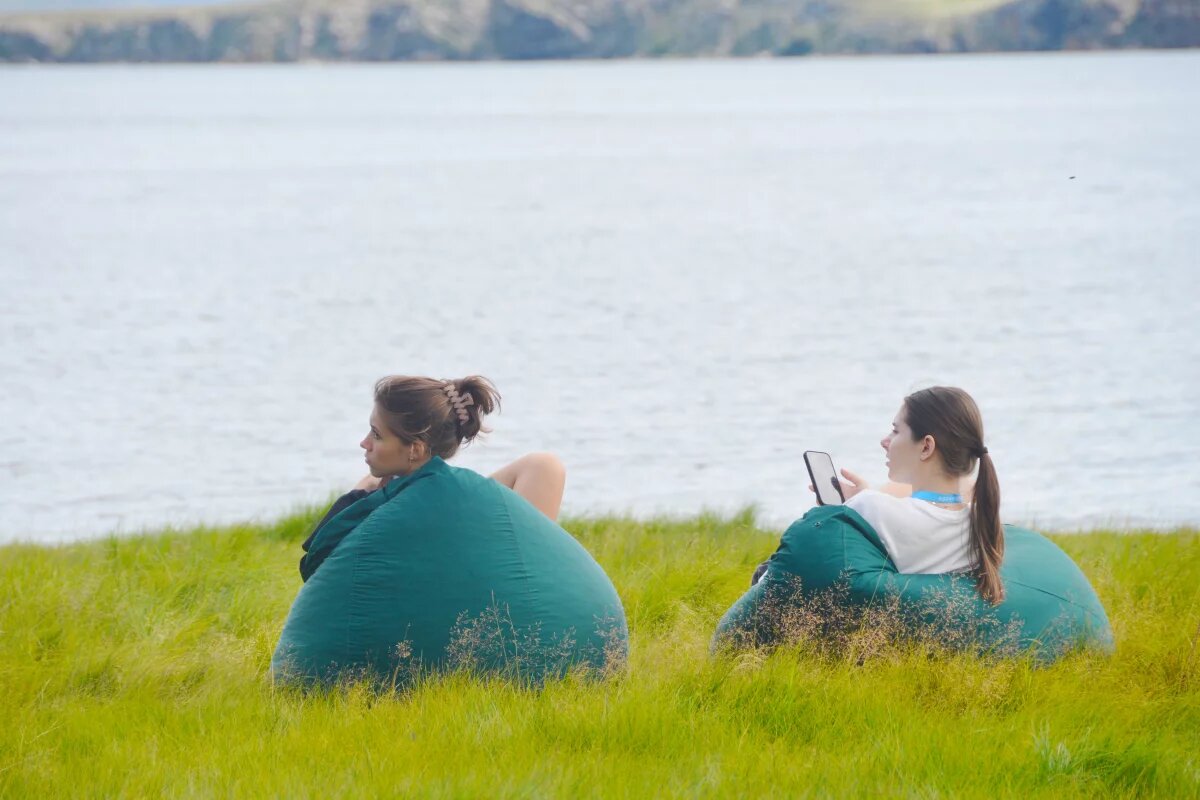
385	452
903	454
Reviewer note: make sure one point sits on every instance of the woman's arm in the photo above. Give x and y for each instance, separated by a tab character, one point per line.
538	477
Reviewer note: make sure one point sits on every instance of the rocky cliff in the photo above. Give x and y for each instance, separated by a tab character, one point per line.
396	30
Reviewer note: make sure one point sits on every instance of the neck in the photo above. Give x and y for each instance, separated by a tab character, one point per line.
942	484
415	466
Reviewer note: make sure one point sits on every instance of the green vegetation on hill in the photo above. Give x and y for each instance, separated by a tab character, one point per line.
402	30
137	667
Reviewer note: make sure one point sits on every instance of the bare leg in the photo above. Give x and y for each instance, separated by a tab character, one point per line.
539	478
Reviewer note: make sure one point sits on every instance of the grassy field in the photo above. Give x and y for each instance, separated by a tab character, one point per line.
137	667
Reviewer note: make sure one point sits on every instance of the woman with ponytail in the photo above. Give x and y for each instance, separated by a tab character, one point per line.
415	419
926	552
935	443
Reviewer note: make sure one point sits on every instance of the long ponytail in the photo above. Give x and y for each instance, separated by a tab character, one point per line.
952	418
987	534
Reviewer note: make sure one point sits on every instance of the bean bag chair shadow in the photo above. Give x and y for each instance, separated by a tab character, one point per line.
831	561
446	569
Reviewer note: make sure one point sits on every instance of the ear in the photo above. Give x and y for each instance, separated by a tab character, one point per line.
928	447
416	451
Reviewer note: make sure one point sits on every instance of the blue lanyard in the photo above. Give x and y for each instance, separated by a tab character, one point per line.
937	497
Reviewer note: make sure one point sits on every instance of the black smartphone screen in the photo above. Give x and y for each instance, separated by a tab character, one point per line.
824	478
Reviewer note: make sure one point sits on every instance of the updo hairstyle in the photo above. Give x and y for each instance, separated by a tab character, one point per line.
443	414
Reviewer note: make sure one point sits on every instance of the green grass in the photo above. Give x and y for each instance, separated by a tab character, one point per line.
137	667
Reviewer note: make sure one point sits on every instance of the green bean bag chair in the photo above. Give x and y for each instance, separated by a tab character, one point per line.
446	569
832	560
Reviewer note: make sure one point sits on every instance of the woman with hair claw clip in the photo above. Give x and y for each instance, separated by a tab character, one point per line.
427	567
415	419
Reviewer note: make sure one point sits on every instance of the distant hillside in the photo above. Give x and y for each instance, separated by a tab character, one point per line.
38	6
400	30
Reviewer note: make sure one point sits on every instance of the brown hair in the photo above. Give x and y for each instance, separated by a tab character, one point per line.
952	418
420	410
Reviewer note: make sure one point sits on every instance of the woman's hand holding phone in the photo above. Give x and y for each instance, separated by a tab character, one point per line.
851	483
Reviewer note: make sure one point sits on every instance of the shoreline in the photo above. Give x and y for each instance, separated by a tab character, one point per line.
302	515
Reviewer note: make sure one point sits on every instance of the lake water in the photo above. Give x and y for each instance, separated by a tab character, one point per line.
680	275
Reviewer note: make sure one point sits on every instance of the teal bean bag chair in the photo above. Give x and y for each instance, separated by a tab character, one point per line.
447	569
832	560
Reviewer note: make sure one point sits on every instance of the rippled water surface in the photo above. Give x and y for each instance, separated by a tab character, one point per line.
680	275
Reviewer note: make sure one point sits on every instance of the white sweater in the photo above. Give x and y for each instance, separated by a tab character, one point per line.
920	537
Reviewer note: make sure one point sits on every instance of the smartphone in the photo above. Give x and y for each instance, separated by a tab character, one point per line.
824	478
